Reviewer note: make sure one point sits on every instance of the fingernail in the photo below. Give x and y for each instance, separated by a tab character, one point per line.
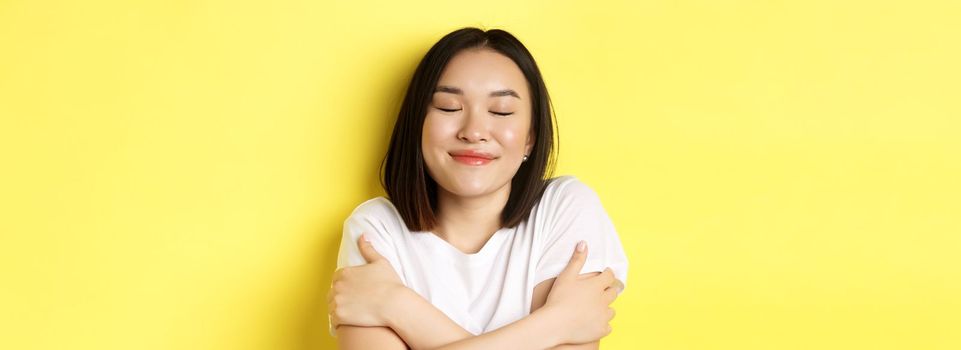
581	245
364	236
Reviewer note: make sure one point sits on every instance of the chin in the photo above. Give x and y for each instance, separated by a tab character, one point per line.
469	187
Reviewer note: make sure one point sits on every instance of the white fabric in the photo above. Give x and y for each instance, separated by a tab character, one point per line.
493	287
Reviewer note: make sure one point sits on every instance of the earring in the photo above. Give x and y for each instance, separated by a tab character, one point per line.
525	157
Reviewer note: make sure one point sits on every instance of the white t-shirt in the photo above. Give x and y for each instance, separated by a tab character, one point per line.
493	287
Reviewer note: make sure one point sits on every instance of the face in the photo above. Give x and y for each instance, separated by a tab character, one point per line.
478	124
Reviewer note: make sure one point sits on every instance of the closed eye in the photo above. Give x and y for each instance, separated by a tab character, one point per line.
503	114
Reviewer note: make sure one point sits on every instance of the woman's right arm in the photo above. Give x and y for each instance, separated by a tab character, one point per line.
535	331
361	338
542	329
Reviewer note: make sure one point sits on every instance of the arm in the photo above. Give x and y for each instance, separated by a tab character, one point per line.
358	338
423	326
370	300
431	328
576	315
538	330
575	311
409	319
514	336
540	297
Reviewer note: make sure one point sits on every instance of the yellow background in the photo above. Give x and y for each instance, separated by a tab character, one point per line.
784	175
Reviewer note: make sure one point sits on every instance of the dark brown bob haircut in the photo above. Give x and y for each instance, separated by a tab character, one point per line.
405	179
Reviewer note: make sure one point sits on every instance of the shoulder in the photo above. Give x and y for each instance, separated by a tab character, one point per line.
378	220
568	190
567	202
376	215
378	207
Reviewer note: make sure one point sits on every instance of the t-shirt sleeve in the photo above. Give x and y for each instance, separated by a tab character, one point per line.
572	212
372	218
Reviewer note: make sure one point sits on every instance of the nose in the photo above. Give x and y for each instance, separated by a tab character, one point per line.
475	128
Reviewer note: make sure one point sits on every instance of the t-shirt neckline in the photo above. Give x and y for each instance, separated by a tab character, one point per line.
488	251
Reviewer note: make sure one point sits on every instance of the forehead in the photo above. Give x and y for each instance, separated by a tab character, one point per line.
480	71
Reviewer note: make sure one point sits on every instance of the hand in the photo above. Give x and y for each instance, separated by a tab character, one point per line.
582	302
362	295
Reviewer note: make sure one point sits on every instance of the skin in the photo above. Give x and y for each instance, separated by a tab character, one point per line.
482	103
470	198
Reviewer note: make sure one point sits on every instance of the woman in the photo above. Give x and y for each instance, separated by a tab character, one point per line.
476	247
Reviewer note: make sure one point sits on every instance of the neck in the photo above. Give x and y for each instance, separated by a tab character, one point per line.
468	222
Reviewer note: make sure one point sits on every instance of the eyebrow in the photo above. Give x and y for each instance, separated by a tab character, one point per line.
456	91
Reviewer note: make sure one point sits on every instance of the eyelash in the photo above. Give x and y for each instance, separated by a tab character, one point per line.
455	110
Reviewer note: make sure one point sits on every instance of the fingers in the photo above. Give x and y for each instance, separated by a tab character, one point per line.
605	279
332	315
618	285
338	274
333	281
335	287
588	275
609	295
577	262
367	249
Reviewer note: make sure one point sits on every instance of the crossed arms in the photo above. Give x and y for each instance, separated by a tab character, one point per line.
372	309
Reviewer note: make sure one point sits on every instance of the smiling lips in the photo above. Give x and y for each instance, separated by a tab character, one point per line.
471	157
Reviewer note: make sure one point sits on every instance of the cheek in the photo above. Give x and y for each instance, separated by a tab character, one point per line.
437	134
514	136
433	132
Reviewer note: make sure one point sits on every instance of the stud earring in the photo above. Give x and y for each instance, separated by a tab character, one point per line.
525	157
